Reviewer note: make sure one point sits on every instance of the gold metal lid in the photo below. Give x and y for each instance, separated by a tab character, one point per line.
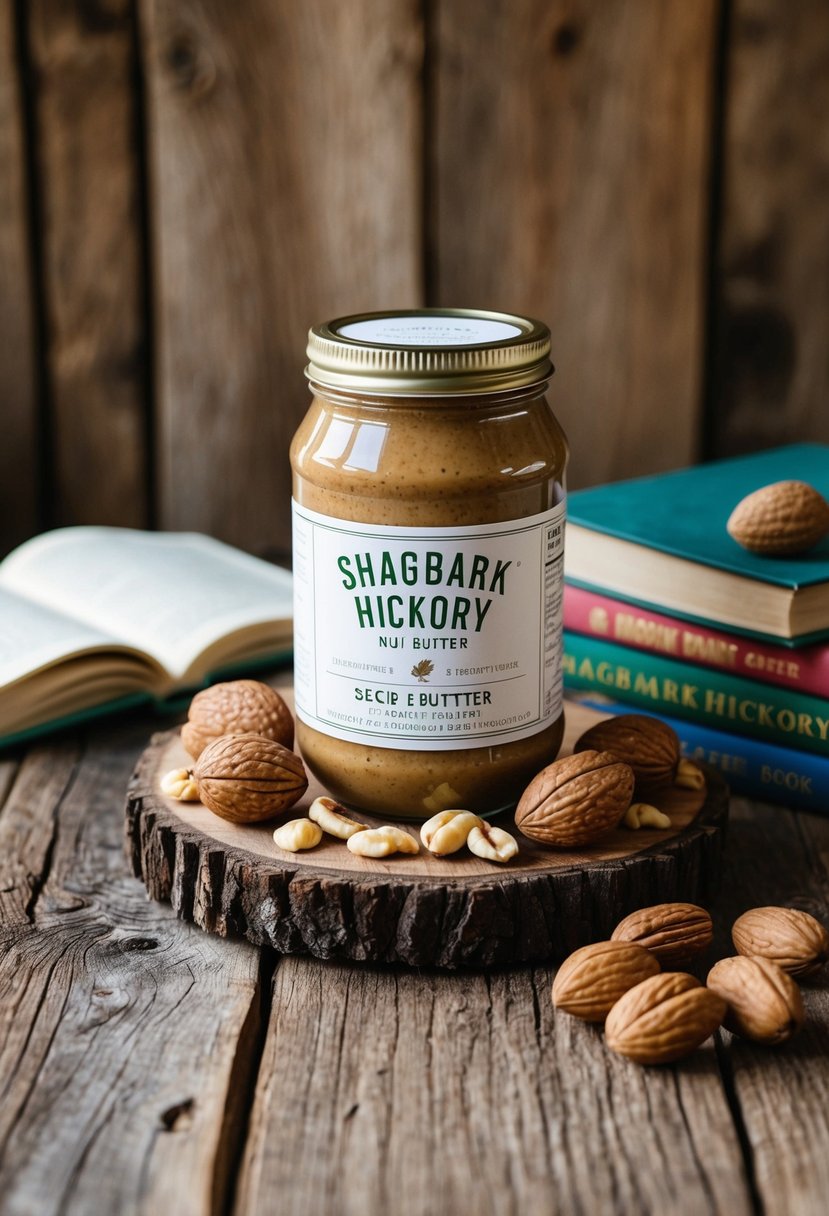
423	351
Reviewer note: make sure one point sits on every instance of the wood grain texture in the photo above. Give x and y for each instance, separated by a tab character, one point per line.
286	189
126	1037
18	398
773	273
416	1093
780	857
570	174
83	59
425	911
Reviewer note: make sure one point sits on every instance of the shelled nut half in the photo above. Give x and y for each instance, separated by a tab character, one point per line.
764	1003
492	843
448	831
332	818
673	932
663	1019
793	939
297	835
381	842
590	982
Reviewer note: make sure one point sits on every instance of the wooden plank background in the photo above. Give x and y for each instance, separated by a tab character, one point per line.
187	185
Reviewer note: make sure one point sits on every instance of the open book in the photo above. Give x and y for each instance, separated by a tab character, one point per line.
92	619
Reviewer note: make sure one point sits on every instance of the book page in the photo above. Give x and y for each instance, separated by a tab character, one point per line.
169	594
33	636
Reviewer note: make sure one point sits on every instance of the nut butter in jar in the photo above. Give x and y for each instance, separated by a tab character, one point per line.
429	499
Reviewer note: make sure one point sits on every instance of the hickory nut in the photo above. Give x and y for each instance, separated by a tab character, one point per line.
764	1003
381	842
784	518
297	834
491	843
672	932
246	778
649	746
448	831
332	818
589	983
663	1019
575	800
236	708
794	940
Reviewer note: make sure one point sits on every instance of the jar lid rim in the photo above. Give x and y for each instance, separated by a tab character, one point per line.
429	350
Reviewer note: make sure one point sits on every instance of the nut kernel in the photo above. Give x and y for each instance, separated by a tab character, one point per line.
448	831
332	818
689	777
641	815
491	843
181	784
381	842
297	834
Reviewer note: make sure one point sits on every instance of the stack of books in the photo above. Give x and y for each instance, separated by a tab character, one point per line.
665	614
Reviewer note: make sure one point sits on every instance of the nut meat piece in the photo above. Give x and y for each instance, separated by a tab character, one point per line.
794	940
236	707
640	815
648	745
575	800
247	778
448	831
332	818
764	1004
297	834
381	842
491	843
673	932
663	1019
784	518
589	983
181	785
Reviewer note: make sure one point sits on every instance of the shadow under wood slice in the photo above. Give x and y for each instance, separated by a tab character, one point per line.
126	1035
427	1094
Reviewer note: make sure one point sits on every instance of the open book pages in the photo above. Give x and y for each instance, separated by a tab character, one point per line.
88	615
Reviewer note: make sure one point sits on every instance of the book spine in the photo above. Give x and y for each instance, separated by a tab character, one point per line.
754	769
697	694
805	669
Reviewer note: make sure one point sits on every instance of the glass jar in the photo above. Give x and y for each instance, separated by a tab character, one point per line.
429	497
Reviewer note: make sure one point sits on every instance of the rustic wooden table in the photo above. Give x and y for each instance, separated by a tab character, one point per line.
149	1067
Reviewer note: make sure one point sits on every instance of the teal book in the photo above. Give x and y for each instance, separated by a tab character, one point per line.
697	694
661	542
94	620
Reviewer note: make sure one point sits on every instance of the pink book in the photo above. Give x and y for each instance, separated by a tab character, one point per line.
805	668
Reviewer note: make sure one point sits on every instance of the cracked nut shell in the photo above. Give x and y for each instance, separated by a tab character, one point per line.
649	746
575	800
236	707
247	778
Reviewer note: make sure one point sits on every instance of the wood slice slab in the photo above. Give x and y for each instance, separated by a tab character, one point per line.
420	910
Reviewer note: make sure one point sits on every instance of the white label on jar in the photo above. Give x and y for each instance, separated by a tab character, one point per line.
430	331
428	639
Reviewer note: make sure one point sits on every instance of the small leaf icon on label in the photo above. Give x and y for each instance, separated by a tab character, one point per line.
423	670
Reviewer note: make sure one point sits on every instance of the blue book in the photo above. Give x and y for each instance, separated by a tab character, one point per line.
753	768
661	541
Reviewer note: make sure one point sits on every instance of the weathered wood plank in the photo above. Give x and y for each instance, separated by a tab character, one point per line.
780	857
18	399
126	1037
286	189
83	60
404	1092
570	181
772	380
